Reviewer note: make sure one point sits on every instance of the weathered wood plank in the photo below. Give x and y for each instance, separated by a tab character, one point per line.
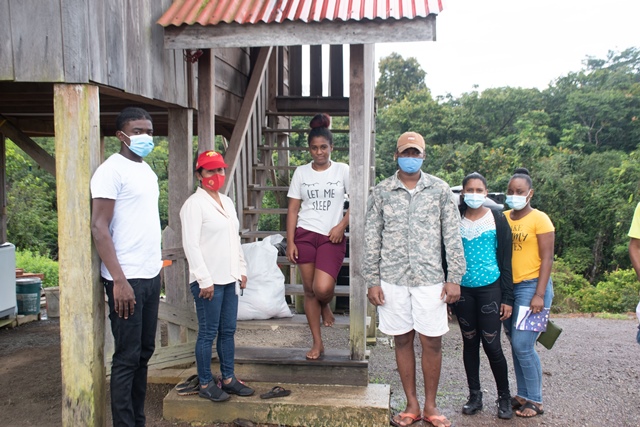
308	106
138	61
229	79
315	70
98	42
77	124
176	276
295	71
75	40
6	50
115	15
37	50
360	112
300	33
238	58
336	71
206	101
29	146
291	289
159	88
232	155
178	315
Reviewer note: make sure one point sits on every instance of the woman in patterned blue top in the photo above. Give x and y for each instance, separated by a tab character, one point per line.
486	297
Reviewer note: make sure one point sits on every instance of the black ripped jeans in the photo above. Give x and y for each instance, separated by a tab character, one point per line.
478	313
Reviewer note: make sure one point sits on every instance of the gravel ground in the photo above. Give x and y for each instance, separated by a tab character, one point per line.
591	376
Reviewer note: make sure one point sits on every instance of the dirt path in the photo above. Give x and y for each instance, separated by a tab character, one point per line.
591	377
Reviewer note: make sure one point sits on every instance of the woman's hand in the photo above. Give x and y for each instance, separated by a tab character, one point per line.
206	293
292	252
336	235
505	311
243	282
537	304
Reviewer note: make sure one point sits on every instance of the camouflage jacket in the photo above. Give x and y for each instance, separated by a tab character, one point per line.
405	234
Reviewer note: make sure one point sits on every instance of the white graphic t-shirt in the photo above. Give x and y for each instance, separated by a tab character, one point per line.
322	194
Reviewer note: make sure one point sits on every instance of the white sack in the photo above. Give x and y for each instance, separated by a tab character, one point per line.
264	295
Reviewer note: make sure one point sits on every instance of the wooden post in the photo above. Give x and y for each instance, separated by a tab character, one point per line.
206	101
315	70
176	276
77	136
295	71
3	189
336	71
360	112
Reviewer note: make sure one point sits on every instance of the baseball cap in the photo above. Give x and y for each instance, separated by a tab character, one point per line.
410	140
210	160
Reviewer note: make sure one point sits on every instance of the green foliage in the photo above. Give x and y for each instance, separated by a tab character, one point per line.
566	284
33	262
398	78
617	293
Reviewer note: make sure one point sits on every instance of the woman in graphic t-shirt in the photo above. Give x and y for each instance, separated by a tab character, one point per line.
316	226
533	236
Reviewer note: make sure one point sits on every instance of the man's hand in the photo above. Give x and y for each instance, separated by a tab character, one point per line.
243	282
450	292
505	311
206	293
124	299
375	295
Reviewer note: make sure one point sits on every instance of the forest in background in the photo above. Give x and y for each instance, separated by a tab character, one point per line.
578	138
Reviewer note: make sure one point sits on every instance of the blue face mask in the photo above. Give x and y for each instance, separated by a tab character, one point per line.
410	164
517	202
141	144
474	200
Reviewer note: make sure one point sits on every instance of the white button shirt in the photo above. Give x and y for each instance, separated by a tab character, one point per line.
211	240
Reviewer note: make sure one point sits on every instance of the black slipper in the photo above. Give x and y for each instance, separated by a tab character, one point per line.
189	386
277	391
532	406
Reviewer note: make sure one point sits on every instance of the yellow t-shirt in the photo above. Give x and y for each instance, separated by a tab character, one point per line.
526	256
634	231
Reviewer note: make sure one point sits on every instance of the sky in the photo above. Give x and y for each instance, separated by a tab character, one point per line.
518	43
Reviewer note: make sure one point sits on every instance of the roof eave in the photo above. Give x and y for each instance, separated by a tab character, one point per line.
293	33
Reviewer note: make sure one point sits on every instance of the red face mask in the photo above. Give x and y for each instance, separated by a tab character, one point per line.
214	182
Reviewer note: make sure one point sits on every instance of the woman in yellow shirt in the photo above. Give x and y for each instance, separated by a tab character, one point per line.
533	236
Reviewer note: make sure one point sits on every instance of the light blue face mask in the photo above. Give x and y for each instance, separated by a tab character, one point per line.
141	144
410	164
474	200
517	202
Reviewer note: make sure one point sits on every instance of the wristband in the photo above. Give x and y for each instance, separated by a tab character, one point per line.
541	296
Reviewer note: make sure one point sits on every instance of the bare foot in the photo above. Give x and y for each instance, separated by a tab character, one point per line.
316	352
327	316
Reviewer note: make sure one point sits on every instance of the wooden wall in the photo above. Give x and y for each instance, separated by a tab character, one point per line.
116	43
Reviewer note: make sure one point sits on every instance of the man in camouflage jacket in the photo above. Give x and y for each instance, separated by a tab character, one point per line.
411	219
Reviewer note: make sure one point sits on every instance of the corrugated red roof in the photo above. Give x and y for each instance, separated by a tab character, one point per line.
212	12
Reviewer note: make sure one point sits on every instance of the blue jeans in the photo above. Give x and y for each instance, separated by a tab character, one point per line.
216	317
526	362
135	341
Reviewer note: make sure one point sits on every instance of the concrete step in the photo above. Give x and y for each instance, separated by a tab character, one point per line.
307	405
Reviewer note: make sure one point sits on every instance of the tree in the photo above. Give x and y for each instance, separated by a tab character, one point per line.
398	78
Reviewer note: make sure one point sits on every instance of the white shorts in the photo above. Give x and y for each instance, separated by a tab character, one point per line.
416	308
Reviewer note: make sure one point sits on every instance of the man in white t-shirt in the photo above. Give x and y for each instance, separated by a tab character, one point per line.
125	224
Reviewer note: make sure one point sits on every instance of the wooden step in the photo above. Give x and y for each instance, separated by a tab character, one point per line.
308	405
282	260
298	320
272	148
299	130
259	211
272	168
339	291
254	187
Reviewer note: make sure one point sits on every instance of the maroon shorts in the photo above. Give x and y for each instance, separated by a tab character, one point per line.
317	248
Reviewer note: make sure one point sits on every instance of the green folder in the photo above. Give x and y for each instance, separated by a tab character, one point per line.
549	337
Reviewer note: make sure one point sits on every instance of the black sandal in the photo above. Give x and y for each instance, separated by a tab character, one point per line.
530	405
277	391
515	403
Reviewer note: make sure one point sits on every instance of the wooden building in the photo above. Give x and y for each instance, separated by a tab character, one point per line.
200	67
